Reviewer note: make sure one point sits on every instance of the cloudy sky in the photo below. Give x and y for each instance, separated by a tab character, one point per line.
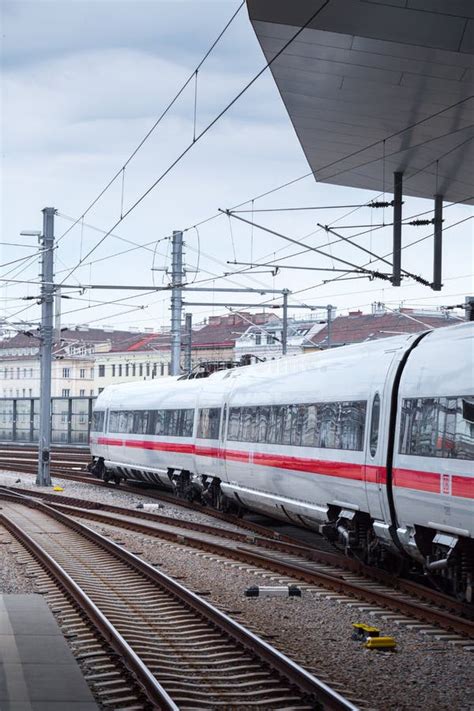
82	83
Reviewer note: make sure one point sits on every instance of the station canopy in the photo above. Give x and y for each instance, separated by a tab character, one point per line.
361	82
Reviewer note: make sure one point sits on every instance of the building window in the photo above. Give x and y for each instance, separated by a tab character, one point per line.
120	370
31	372
91	393
100	390
140	369
258	339
82	393
66	392
153	372
113	370
30	392
162	368
148	369
24	392
82	373
134	369
127	369
66	372
101	371
24	372
18	372
92	372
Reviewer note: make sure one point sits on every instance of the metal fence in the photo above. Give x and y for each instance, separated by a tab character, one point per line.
70	419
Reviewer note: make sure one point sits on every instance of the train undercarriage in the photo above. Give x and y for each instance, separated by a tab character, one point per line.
445	560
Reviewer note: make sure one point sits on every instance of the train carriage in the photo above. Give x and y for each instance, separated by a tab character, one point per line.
370	444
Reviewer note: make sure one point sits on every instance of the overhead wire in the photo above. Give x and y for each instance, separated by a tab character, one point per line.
203	132
121	171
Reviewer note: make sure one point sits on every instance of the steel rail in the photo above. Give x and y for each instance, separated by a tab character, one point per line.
320	693
333	582
155	693
266	538
332	558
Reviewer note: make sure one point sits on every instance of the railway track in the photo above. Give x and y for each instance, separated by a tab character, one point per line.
283	555
181	651
296	562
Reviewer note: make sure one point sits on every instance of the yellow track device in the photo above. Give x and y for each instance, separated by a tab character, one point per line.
380	643
363	632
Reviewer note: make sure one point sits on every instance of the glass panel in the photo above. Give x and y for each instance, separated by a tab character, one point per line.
464	433
287	421
263	418
374	425
234	423
329	425
140	421
6	420
59	420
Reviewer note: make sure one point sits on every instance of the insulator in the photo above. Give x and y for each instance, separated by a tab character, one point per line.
419	223
380	204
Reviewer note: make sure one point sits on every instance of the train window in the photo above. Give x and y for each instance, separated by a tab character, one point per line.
98	417
169	422
468	409
140	421
234	423
297	424
121	421
185	422
287	422
464	436
374	425
248	424
155	423
209	423
329	425
279	417
436	427
125	422
352	425
326	425
263	418
113	421
309	426
271	425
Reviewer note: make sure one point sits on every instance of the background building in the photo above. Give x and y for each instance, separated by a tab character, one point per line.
381	323
265	342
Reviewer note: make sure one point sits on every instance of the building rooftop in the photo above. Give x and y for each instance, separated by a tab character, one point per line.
223	331
357	327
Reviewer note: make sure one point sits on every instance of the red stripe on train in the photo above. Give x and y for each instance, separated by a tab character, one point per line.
421	481
462	486
402	478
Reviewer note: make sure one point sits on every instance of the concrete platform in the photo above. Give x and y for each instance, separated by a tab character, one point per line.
38	671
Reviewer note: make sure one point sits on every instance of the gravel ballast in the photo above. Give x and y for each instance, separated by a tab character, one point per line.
424	673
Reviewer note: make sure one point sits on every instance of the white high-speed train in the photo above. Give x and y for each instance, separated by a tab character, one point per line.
370	444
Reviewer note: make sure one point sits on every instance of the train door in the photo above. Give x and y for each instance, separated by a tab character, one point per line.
104	437
222	442
375	470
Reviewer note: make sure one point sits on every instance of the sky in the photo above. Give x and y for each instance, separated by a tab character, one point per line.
84	80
